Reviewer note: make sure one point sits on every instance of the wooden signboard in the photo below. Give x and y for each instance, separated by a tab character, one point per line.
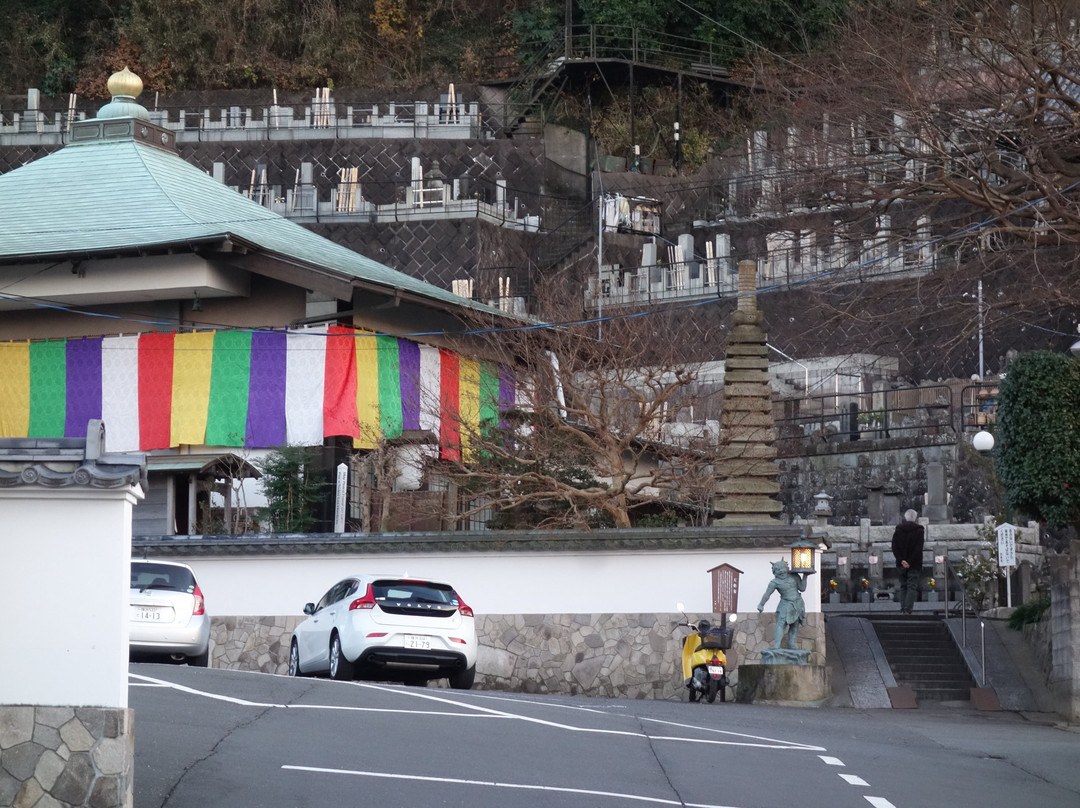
725	589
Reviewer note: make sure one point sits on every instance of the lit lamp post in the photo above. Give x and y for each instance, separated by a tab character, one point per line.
982	441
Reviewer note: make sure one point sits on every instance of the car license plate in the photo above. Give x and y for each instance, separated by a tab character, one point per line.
147	614
716	671
418	641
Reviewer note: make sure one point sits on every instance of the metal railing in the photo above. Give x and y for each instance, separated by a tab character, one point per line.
978	405
646	47
843	416
343	198
318	119
963	606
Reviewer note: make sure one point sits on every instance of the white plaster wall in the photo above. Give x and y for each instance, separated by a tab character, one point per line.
500	583
64	595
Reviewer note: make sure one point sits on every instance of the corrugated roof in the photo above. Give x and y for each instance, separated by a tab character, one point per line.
116	195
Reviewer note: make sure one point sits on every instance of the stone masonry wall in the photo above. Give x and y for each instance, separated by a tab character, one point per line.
617	655
845	469
1065	631
66	757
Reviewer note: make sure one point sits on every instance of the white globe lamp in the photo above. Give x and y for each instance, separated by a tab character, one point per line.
983	441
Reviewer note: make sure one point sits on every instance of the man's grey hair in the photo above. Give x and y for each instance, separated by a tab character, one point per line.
911	515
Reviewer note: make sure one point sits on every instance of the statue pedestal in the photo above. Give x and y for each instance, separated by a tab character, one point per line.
784	656
783	685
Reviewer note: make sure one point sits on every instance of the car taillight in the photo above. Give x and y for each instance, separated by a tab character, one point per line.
365	602
200	604
463	607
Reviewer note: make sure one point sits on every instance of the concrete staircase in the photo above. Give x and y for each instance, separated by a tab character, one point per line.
923	655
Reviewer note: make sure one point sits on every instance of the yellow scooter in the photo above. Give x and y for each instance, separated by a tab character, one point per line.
704	661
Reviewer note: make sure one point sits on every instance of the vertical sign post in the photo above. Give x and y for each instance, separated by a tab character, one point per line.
725	588
1006	539
340	495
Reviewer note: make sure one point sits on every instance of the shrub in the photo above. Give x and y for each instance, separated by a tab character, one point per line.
1030	612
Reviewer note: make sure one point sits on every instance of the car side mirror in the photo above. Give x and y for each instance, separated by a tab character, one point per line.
309	608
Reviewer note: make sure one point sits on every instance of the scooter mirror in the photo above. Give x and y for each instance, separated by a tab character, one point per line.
679	606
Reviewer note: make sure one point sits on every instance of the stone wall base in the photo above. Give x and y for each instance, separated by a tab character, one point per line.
783	685
635	656
66	757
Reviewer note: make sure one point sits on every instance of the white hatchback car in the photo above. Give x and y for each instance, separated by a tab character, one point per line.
387	628
168	613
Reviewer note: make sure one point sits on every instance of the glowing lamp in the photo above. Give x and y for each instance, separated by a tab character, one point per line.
802	556
983	441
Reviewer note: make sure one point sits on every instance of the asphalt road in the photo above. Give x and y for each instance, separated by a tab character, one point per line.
232	739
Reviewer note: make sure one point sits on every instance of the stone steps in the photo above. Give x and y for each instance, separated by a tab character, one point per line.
923	656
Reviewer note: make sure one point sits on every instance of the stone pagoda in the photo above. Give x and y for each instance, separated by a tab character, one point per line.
748	486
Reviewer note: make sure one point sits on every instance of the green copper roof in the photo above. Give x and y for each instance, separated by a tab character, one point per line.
122	194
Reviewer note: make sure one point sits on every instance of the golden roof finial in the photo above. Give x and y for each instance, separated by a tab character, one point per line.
125	83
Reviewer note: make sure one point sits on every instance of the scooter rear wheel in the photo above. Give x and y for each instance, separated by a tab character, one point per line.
692	693
710	693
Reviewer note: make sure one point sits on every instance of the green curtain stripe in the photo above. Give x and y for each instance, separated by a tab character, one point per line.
390	420
489	392
48	389
226	418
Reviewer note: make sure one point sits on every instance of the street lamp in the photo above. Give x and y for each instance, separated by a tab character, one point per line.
983	441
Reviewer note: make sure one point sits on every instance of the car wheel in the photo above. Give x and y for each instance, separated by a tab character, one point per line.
340	668
462	680
294	660
200	660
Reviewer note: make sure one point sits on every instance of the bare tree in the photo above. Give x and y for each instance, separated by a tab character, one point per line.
935	146
612	423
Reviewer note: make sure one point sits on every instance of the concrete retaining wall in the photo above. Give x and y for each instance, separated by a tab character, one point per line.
618	655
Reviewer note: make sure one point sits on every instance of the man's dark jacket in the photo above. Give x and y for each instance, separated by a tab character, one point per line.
907	544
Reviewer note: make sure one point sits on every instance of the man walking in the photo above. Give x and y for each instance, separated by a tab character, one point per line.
907	547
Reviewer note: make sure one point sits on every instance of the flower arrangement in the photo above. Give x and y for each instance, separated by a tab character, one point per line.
865	583
833	585
931	583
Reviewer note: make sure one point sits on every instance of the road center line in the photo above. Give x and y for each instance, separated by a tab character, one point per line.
852	780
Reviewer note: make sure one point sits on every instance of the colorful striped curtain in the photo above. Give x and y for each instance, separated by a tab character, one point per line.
248	389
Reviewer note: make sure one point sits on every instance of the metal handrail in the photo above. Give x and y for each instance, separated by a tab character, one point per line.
877	413
963	619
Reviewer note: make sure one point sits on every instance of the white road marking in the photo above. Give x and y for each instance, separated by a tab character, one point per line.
880	802
478	711
772	743
831	761
852	780
494	784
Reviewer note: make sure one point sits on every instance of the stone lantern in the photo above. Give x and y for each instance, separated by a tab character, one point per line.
822	509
